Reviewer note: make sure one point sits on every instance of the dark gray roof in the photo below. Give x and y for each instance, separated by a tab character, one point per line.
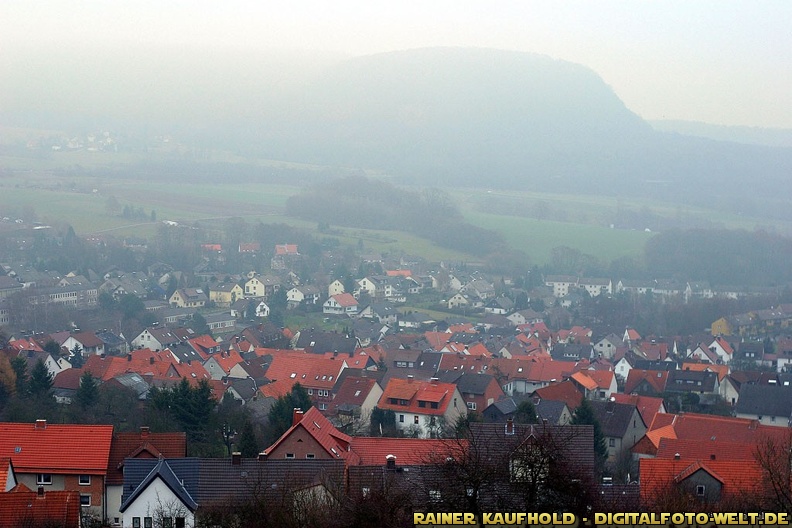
550	410
571	352
209	481
467	382
163	471
614	418
321	342
765	400
691	381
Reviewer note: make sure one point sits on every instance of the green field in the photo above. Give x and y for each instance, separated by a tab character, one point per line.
30	184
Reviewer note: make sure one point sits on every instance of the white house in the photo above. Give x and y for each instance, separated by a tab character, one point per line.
160	495
336	287
341	304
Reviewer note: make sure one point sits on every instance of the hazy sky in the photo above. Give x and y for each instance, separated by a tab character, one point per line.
723	61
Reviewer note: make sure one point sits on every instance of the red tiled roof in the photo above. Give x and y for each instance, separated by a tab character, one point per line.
24	344
584	380
658	476
564	391
23	507
142	444
286	249
276	389
721	370
398	273
353	391
227	360
345	299
647	406
655	378
88	339
408	451
437	340
654	351
463	328
6	467
414	391
41	447
705	450
309	370
67	379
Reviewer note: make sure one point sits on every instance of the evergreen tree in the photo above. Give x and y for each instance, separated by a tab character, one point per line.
52	348
526	413
584	415
282	411
19	366
40	384
88	392
248	445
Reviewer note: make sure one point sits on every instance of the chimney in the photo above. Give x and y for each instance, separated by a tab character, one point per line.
129	357
144	431
390	462
712	456
236	458
677	456
409	378
41	424
151	360
102	355
262	456
509	426
297	415
433	381
40	491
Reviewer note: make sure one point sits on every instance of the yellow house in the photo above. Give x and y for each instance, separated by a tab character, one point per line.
226	294
721	327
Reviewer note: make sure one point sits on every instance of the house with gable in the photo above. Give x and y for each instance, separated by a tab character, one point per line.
607	346
156	338
341	304
142	444
312	436
336	287
188	298
596	286
769	404
226	294
40	459
478	390
302	295
286	256
262	286
646	382
423	408
622	426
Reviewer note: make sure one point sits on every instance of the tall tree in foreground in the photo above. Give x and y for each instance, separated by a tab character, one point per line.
281	415
584	415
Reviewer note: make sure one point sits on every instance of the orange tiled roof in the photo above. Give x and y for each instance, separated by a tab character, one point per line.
564	391
413	392
23	507
40	447
6	467
657	379
142	444
721	370
584	380
310	370
398	273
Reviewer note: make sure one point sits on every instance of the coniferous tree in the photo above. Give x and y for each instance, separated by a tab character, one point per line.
584	415
88	392
40	384
282	411
248	445
19	366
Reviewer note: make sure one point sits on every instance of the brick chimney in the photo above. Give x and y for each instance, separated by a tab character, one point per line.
262	456
144	431
297	415
390	462
236	458
41	424
509	426
40	491
129	357
151	360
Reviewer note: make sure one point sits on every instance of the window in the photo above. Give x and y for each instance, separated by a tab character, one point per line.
289	455
167	522
612	442
415	419
435	496
148	522
471	406
180	522
700	490
401	418
84	480
310	392
85	500
322	406
310	455
135	522
43	479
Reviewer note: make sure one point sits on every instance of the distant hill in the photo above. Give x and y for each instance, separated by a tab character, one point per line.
770	137
425	117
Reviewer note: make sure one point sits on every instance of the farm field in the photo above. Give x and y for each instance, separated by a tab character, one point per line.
30	185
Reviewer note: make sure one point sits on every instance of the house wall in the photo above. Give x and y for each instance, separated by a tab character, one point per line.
300	443
114	504
712	487
157	499
71	483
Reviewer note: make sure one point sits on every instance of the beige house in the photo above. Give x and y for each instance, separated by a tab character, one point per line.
188	298
226	294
